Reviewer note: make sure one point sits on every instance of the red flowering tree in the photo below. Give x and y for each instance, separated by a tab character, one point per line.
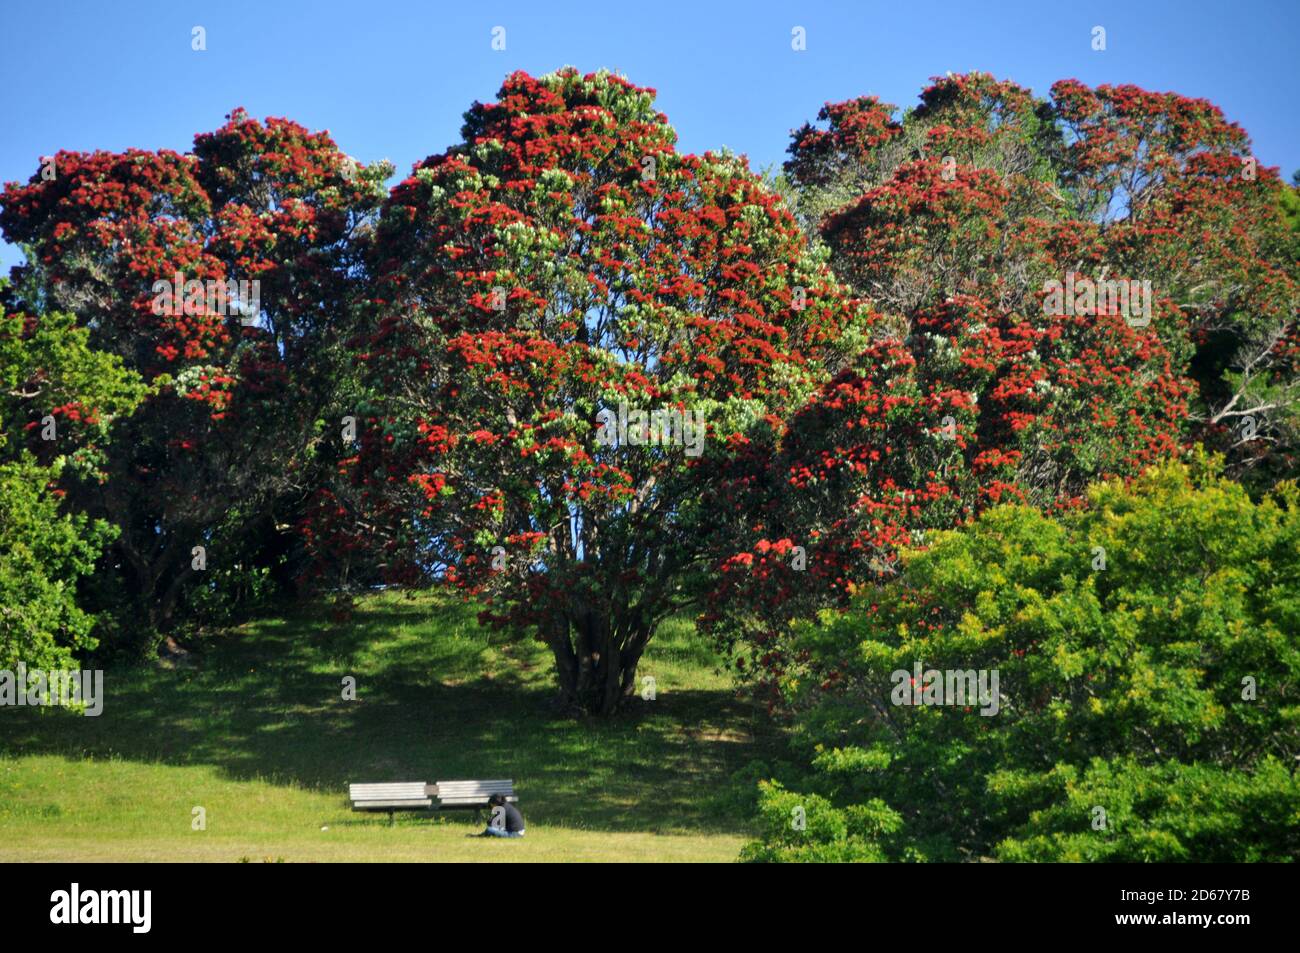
156	253
1003	366
1164	186
580	334
1112	182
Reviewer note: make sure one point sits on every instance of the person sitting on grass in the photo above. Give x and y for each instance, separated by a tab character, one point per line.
505	822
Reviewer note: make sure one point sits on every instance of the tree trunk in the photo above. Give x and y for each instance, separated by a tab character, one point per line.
596	658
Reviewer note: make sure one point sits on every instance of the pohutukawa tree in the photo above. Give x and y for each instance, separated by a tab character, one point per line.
1164	186
1034	334
222	448
986	189
563	299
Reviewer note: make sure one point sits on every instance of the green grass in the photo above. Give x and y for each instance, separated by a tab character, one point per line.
257	733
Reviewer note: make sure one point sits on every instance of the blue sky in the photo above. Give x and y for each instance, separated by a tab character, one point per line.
391	80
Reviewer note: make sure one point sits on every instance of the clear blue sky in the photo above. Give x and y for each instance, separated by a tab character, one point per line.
391	80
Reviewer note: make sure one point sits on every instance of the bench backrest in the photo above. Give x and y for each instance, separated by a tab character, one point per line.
393	794
461	793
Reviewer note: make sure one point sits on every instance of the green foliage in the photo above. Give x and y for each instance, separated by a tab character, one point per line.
1148	665
50	376
47	367
1169	812
809	828
42	552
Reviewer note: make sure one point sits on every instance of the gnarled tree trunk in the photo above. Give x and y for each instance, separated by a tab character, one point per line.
597	652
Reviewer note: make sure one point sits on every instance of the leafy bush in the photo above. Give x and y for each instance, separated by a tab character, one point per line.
42	554
1147	700
58	399
808	828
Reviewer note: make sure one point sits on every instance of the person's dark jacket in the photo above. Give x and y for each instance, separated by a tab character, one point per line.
514	821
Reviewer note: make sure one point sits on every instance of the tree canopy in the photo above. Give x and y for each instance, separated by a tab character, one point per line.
577	334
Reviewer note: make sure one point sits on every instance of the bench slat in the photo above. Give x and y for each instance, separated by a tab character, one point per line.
471	797
396	795
404	789
389	795
473	794
475	787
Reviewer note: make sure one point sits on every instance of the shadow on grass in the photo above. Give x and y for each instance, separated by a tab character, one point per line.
436	700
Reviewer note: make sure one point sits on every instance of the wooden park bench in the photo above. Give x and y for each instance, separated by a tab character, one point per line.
418	796
391	797
471	794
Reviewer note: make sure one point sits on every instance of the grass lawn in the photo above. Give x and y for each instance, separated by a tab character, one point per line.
257	733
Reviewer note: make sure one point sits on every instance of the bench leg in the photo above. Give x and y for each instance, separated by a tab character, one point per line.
391	819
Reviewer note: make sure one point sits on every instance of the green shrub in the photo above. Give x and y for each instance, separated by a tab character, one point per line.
1147	702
